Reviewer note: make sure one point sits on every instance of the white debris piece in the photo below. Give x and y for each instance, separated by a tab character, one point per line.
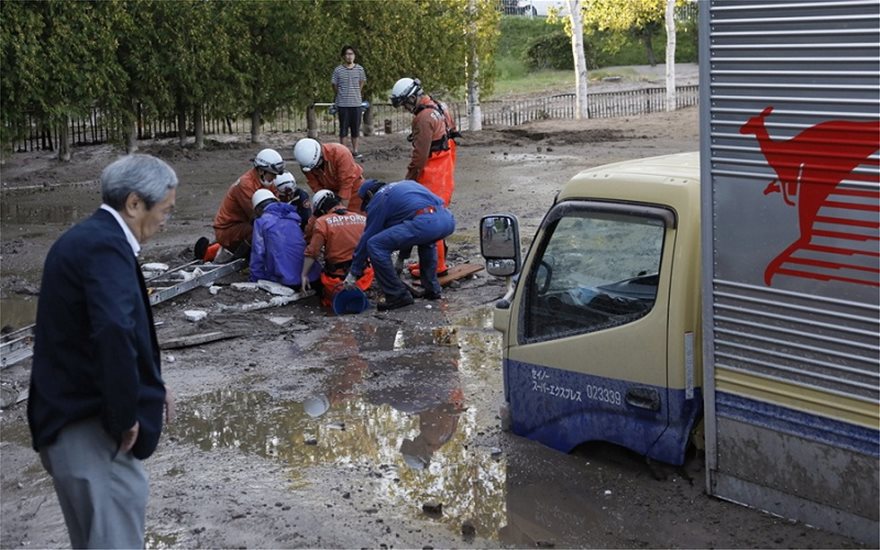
275	288
155	266
195	315
252	287
197	272
607	492
170	358
213	290
280	321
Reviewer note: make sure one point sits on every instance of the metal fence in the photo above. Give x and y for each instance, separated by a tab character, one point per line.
99	127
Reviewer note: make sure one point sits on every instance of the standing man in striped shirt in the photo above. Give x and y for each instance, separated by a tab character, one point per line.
348	81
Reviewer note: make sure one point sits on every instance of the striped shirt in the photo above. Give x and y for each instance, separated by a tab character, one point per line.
348	85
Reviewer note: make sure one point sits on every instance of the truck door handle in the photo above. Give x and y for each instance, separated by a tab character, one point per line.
643	398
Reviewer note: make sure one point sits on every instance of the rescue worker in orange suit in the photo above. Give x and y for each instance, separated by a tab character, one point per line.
336	232
433	156
233	224
331	166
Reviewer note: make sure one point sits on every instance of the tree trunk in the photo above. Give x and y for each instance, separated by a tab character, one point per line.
475	114
181	125
199	126
580	61
367	126
131	129
646	36
255	126
64	140
311	122
670	55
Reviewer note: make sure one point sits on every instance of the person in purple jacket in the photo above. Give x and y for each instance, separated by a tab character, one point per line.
400	215
278	246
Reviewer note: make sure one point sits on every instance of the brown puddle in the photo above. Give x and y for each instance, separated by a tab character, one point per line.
396	401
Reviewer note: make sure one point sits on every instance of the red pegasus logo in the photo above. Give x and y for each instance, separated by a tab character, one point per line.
809	168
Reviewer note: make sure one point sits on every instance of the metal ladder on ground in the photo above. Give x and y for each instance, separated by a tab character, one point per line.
19	345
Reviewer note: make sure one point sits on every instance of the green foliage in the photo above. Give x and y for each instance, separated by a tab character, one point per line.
62	58
553	51
517	71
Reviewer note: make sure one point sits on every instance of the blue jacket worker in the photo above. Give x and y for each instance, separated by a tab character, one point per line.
400	215
97	397
278	247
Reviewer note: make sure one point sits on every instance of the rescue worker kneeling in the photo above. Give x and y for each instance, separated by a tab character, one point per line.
335	231
278	243
400	215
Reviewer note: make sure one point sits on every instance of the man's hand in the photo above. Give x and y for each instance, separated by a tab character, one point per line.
304	277
170	406
129	436
349	282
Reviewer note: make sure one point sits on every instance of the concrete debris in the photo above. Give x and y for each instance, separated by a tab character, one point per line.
195	315
214	289
251	287
275	288
187	275
276	301
156	266
280	321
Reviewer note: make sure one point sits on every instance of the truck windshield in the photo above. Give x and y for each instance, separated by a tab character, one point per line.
595	270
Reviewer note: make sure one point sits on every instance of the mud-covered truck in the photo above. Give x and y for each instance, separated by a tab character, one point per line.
728	298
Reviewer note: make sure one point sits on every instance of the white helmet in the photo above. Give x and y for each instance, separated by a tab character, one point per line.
261	196
270	161
285	182
308	153
323	201
404	89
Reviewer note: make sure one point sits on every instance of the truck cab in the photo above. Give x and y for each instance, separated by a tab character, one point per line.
602	324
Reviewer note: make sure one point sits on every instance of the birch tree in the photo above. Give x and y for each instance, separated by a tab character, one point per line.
475	113
580	60
642	18
670	55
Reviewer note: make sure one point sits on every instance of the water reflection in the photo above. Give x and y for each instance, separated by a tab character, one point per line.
394	401
39	213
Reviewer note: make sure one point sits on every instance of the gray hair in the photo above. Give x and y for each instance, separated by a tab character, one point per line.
147	176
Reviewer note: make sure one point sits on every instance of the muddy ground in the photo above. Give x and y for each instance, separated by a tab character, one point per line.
410	452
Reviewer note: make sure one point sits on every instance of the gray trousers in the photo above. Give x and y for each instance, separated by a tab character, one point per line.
103	494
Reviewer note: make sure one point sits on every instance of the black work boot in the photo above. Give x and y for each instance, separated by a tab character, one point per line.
201	248
394	303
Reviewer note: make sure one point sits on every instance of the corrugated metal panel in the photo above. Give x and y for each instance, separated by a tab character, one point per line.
794	97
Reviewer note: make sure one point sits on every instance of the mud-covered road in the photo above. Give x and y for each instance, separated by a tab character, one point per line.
376	430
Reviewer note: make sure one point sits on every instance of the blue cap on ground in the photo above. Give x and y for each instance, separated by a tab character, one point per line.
350	300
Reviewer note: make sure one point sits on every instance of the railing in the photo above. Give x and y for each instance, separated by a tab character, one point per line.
100	128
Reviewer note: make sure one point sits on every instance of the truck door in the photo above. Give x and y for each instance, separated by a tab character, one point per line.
589	356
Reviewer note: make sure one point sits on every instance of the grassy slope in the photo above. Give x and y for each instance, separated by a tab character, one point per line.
517	33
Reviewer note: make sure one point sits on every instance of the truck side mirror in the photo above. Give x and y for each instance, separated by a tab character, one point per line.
499	244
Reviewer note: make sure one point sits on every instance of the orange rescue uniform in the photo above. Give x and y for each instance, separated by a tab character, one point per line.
338	173
433	157
337	233
233	223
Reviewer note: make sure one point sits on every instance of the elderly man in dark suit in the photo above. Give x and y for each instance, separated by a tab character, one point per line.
97	396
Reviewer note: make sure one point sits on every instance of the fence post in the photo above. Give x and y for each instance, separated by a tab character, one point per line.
368	121
311	121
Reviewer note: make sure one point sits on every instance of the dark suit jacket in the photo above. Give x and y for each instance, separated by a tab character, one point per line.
95	348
